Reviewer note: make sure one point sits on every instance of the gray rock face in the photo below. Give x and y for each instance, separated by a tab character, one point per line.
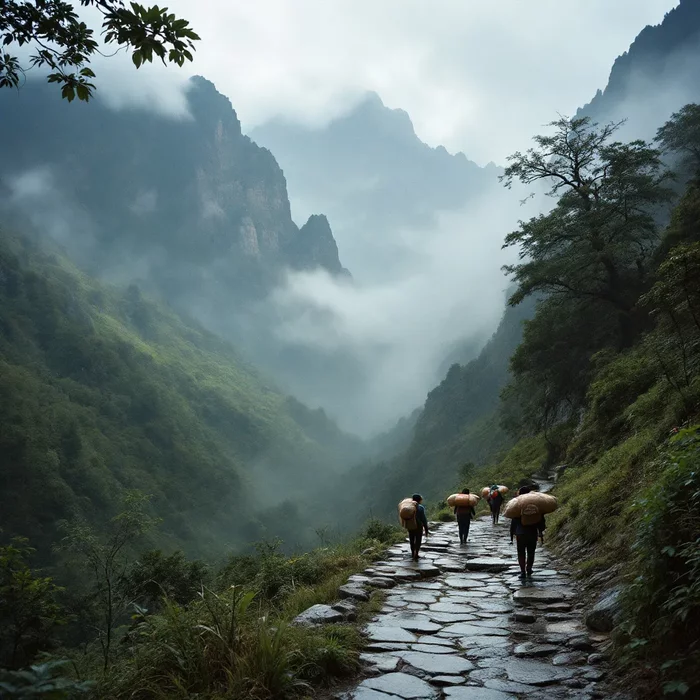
572	658
542	595
318	615
443	681
347	607
381	582
534	649
472	693
385	633
602	617
384	663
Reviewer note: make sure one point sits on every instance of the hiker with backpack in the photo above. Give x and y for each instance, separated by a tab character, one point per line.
464	514
526	537
414	520
495	499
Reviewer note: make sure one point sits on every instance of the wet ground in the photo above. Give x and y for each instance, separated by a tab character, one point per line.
460	624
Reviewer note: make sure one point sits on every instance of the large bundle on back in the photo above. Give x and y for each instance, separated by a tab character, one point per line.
503	490
462	500
407	510
530	507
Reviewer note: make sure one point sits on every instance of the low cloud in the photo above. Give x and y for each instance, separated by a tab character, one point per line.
400	331
477	76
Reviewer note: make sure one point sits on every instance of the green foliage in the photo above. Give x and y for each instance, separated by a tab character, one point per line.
42	682
62	43
598	240
681	134
104	555
662	604
382	532
29	607
156	576
236	641
105	391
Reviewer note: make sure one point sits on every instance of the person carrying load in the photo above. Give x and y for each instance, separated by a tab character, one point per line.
414	520
465	514
495	499
527	526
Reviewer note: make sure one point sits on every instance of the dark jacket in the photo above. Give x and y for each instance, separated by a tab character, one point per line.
465	512
528	531
421	516
496	501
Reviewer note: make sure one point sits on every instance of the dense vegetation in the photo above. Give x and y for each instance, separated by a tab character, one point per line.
160	626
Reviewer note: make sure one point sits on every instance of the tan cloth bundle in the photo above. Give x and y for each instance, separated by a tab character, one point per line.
462	500
407	509
503	490
530	507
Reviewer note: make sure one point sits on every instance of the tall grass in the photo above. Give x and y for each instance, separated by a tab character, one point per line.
238	641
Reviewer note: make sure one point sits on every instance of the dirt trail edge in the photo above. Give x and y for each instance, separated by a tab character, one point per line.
461	625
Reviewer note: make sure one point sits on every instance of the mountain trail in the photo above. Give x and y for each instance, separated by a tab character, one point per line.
461	625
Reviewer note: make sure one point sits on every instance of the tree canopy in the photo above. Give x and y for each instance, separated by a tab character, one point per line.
60	42
681	134
598	239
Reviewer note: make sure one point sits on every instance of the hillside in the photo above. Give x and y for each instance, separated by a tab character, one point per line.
105	391
185	206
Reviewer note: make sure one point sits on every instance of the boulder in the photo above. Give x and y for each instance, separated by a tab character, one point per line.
603	616
353	591
318	615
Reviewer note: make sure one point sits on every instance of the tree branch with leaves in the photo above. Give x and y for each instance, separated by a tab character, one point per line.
63	44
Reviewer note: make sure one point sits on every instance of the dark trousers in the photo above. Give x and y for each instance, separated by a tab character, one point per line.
415	538
463	522
526	551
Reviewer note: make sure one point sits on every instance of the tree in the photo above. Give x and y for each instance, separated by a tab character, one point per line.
29	610
551	369
598	240
107	558
63	44
681	134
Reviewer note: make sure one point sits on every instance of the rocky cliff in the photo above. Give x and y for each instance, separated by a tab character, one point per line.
186	205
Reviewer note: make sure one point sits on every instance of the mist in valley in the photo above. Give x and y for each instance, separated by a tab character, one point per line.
405	170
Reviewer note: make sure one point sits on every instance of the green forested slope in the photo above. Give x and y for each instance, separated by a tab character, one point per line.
104	391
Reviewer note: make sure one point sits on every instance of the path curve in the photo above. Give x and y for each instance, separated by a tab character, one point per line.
461	625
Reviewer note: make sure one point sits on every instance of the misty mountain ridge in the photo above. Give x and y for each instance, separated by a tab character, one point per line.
373	176
655	77
190	201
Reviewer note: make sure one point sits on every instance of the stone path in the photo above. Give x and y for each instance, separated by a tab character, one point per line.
461	625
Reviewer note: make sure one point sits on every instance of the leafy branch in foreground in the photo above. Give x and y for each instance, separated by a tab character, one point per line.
62	43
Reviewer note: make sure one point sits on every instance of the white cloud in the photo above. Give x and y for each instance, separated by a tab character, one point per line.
400	331
475	75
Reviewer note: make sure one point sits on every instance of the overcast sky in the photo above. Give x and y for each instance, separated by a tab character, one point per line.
479	76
